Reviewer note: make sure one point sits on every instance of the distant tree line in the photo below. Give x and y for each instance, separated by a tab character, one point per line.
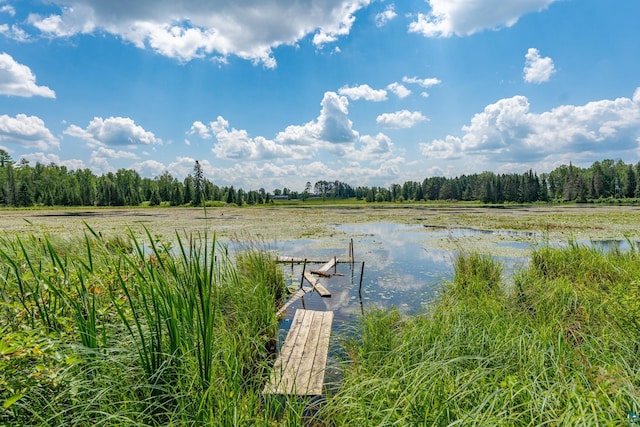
24	185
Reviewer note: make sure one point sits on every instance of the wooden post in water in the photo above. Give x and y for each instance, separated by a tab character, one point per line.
304	267
361	274
352	274
351	254
335	265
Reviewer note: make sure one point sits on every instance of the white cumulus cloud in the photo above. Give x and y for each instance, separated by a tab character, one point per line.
537	69
464	17
8	9
249	29
200	129
14	32
18	80
507	131
183	166
365	92
237	144
331	129
27	132
149	168
332	132
425	83
113	154
398	90
375	148
401	119
49	158
384	17
113	131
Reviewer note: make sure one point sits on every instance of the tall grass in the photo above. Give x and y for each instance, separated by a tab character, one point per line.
97	332
560	347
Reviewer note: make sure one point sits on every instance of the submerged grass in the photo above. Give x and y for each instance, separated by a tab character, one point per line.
560	347
98	332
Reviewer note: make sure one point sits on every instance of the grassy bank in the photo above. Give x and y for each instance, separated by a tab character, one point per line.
98	332
560	347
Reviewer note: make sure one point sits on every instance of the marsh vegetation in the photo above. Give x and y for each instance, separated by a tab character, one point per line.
99	326
112	332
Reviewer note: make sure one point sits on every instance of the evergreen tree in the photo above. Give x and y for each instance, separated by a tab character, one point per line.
198	184
188	190
24	198
154	199
231	195
177	194
630	184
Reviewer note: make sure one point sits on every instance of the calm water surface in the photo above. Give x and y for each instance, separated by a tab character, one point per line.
403	268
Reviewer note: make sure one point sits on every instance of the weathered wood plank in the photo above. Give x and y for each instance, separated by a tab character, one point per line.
306	366
316	379
299	368
288	380
329	265
297	260
274	384
324	270
285	352
320	273
293	298
322	291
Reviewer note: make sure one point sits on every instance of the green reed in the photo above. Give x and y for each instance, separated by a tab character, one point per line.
559	347
133	333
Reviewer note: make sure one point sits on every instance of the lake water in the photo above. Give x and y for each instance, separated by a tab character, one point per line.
404	268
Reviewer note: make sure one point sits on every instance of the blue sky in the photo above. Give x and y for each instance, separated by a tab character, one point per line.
269	93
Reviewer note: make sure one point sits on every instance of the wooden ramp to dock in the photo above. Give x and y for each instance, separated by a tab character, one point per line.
299	368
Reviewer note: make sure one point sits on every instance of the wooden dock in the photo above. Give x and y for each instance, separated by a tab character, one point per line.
299	368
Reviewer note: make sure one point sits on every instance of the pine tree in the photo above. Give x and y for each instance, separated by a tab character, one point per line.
198	184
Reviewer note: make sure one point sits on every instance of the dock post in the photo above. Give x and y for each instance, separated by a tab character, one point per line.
304	267
351	254
361	274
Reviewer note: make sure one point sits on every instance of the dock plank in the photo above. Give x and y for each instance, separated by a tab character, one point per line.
322	291
297	260
285	352
316	378
302	374
299	368
324	270
288	380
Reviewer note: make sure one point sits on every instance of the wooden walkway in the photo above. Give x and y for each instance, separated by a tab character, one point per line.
299	368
